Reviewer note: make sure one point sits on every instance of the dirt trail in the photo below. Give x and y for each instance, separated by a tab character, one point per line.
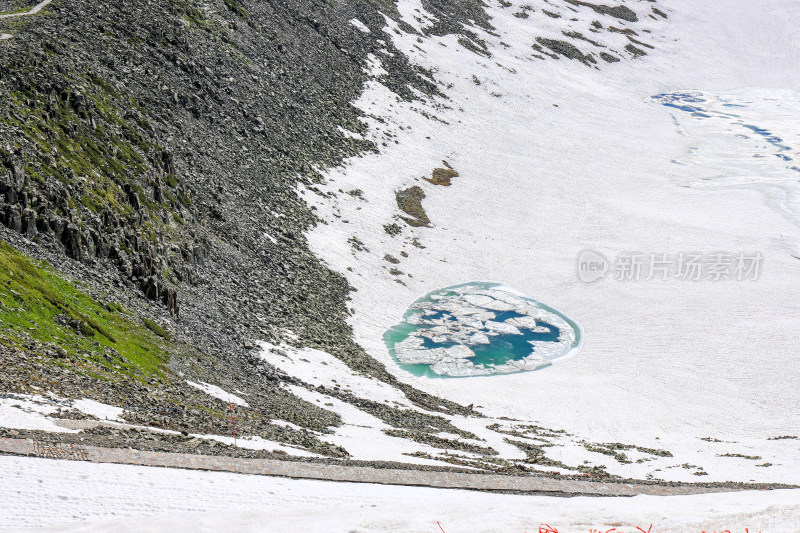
32	11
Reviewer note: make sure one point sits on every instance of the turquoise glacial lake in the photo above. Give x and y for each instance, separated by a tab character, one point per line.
480	329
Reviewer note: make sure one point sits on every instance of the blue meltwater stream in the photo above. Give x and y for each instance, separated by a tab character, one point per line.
743	138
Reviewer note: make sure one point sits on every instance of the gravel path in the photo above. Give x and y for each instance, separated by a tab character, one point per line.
35	9
357	474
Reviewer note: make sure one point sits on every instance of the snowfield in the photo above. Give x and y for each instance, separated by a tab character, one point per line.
68	496
555	158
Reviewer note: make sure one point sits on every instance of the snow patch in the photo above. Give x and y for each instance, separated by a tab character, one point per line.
360	25
220	394
29	412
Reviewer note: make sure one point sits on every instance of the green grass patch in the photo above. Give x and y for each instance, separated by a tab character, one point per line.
16	11
236	7
37	304
155	328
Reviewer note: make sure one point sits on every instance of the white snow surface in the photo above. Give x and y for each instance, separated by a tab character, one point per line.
254	442
218	393
726	136
29	412
68	496
360	25
319	368
32	411
362	434
99	410
555	158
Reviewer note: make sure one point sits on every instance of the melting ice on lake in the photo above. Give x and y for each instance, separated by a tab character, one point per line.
745	138
479	329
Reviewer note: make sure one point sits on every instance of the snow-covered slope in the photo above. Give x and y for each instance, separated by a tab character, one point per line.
555	157
66	496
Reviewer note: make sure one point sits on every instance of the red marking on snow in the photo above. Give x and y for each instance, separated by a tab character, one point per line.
547	528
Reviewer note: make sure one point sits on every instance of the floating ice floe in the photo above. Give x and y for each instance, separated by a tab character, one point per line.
478	329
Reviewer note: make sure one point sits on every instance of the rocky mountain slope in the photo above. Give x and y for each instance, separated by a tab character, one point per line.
158	146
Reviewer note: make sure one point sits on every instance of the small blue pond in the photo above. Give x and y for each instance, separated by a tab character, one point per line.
478	329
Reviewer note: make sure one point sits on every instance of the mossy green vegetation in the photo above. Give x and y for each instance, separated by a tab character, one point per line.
84	136
236	7
16	11
155	328
195	14
86	154
92	336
